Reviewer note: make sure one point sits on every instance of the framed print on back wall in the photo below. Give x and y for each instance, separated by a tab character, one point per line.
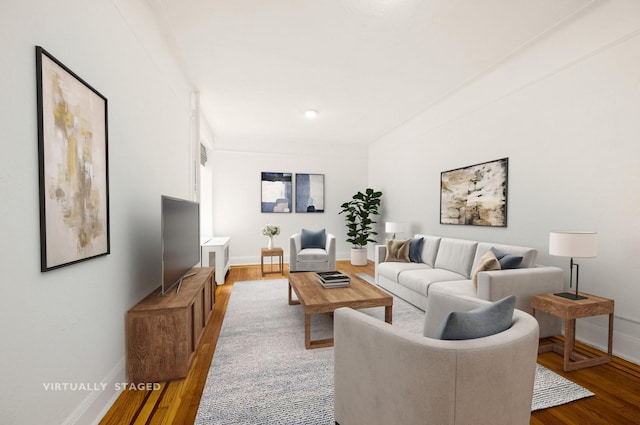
309	193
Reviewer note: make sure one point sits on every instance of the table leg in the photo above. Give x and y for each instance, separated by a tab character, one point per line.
569	340
307	330
291	301
610	344
388	313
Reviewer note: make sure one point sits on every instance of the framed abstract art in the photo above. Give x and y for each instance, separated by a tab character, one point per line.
475	195
73	166
309	193
276	192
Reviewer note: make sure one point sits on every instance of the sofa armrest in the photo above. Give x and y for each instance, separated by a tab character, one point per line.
380	254
524	283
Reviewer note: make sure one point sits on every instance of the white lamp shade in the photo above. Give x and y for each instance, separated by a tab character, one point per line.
393	227
575	244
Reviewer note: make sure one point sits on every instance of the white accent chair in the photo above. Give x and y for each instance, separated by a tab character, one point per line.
314	259
385	375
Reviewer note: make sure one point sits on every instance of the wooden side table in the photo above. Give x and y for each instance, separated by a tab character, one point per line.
570	310
272	252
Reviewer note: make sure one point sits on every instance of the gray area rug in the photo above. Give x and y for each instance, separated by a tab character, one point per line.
261	372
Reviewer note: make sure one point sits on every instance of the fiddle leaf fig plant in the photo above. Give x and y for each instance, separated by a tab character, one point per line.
359	213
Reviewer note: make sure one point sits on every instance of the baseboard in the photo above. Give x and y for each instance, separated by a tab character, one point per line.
98	402
624	346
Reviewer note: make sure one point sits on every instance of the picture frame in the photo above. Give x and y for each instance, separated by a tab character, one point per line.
73	165
276	192
309	193
475	195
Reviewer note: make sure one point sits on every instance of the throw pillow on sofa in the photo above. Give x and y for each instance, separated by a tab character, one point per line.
398	250
415	250
483	321
507	261
487	262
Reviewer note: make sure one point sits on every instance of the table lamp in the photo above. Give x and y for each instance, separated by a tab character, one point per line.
573	244
392	227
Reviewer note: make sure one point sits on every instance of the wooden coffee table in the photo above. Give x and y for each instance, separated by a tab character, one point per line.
316	300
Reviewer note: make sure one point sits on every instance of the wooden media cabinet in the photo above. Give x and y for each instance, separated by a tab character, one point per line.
164	331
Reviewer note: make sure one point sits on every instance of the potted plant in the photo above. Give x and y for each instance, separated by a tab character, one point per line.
359	213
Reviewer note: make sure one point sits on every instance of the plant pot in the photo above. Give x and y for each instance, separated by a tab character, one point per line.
359	256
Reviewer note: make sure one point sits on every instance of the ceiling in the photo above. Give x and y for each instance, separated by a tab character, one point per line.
367	66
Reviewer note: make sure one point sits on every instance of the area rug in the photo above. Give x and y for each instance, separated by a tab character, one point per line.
261	372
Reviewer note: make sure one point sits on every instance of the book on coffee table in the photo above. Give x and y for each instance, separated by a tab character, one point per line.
333	279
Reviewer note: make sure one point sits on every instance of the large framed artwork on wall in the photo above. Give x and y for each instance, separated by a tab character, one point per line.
475	195
276	192
309	193
73	166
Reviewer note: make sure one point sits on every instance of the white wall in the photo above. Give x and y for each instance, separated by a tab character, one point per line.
67	325
236	205
565	111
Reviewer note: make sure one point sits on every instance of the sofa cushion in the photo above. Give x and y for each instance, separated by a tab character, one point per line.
507	261
458	287
429	248
392	270
456	255
397	250
487	262
415	250
528	254
313	239
312	254
419	280
483	321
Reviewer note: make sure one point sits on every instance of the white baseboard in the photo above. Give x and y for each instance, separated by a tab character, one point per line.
624	346
98	402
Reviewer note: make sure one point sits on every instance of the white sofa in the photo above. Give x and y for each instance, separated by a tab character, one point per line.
385	375
447	264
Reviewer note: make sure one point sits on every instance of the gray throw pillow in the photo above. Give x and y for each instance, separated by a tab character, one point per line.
415	250
507	261
313	239
483	321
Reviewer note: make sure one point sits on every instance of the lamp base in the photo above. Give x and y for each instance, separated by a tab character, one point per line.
570	296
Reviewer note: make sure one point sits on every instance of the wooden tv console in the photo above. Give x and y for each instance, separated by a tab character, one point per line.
164	331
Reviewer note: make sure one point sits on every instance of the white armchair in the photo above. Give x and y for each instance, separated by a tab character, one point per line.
385	375
312	251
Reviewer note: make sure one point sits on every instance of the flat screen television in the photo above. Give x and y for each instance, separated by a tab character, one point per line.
180	240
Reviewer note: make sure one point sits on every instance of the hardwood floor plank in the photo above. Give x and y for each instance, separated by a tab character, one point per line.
616	385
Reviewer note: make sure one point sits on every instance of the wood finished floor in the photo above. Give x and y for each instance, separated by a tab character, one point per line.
616	385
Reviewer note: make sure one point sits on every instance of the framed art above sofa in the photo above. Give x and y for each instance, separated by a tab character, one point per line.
475	195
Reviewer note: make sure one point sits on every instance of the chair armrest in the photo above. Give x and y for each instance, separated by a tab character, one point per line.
294	248
383	374
331	251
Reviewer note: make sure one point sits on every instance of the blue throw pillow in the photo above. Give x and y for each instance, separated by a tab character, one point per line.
313	239
507	261
483	321
415	250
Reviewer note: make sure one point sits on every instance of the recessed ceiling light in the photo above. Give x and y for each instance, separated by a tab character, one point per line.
311	114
